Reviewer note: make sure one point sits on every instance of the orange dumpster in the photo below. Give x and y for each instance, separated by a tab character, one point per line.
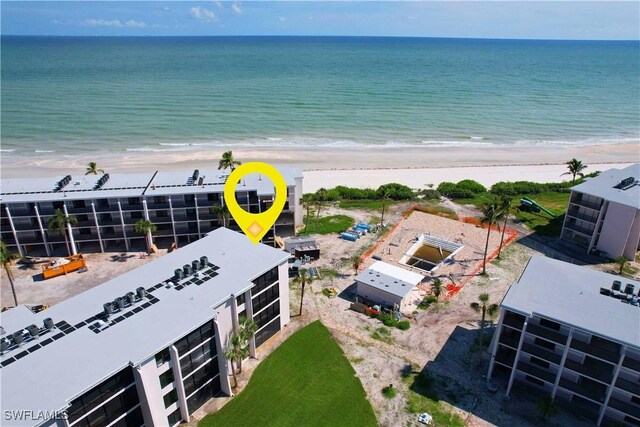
63	266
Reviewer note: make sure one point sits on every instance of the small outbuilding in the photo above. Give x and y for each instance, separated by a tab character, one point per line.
386	284
302	246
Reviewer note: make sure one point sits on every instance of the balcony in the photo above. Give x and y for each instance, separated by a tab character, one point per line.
574	213
586	391
549	334
547	355
513	321
594	372
510	341
584	203
631	364
626	407
578	229
505	358
630	386
592	350
536	372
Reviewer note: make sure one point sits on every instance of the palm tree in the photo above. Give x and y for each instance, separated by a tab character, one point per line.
92	169
7	257
303	278
575	167
307	200
484	307
436	287
146	227
490	213
58	225
227	161
622	263
505	209
385	196
547	408
355	263
222	211
320	198
236	351
246	330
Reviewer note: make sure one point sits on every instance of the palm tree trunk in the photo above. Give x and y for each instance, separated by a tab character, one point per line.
382	217
66	240
7	268
306	223
504	227
239	366
486	248
484	311
301	298
233	372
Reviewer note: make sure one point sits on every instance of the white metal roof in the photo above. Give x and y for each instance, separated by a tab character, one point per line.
570	294
603	186
50	377
389	278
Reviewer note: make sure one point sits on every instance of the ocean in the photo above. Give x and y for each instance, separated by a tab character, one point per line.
67	95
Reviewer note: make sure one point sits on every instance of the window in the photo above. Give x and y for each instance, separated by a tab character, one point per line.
534	380
545	344
195	338
268	314
134	201
268	331
162	214
162	357
174	417
159	200
85	231
201	376
136	215
265	280
78	204
170	398
549	324
240	299
265	298
166	378
539	362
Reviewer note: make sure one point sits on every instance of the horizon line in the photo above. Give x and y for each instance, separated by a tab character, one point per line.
314	36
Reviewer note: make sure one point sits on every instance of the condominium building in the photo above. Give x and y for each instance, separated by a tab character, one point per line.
603	214
572	333
145	348
108	206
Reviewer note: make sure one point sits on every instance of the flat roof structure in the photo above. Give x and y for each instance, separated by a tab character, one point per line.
570	294
389	278
47	372
604	186
135	185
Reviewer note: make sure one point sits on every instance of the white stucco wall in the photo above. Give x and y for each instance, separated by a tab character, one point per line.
146	376
633	242
615	229
283	274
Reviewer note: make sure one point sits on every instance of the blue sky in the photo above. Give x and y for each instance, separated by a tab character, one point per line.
493	19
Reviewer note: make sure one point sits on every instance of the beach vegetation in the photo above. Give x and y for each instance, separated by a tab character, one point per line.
462	189
384	197
330	225
427	301
356	261
320	200
428	194
491	213
59	223
303	278
307	201
326	388
483	307
228	162
422	396
436	287
389	391
624	266
575	167
6	256
504	205
146	227
92	169
547	408
438	210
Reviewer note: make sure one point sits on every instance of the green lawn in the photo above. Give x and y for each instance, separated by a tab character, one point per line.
539	222
328	224
307	381
374	205
422	397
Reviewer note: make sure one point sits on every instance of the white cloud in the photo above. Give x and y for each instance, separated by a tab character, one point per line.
236	8
135	24
202	14
166	9
102	23
282	19
218	4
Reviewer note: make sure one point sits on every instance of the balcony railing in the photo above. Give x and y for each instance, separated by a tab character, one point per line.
630	386
513	322
607	355
627	408
547	333
574	213
509	341
631	363
584	203
580	230
540	352
590	371
536	372
586	391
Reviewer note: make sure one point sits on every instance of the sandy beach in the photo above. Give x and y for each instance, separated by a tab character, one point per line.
361	167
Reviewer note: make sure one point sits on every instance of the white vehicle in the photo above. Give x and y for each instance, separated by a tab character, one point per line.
425	418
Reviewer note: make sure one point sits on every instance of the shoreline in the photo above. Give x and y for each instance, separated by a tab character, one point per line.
357	167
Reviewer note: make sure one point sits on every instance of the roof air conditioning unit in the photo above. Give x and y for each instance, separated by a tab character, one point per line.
34	331
186	269
108	309
48	323
141	292
195	265
18	337
178	274
204	261
119	302
131	298
4	345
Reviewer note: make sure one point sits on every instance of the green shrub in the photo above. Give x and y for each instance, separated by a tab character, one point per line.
452	191
429	194
395	191
427	301
474	186
389	391
403	325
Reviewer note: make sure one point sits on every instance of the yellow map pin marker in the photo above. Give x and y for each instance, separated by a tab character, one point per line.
255	226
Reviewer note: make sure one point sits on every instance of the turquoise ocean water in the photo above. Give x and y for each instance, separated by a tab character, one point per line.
171	94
